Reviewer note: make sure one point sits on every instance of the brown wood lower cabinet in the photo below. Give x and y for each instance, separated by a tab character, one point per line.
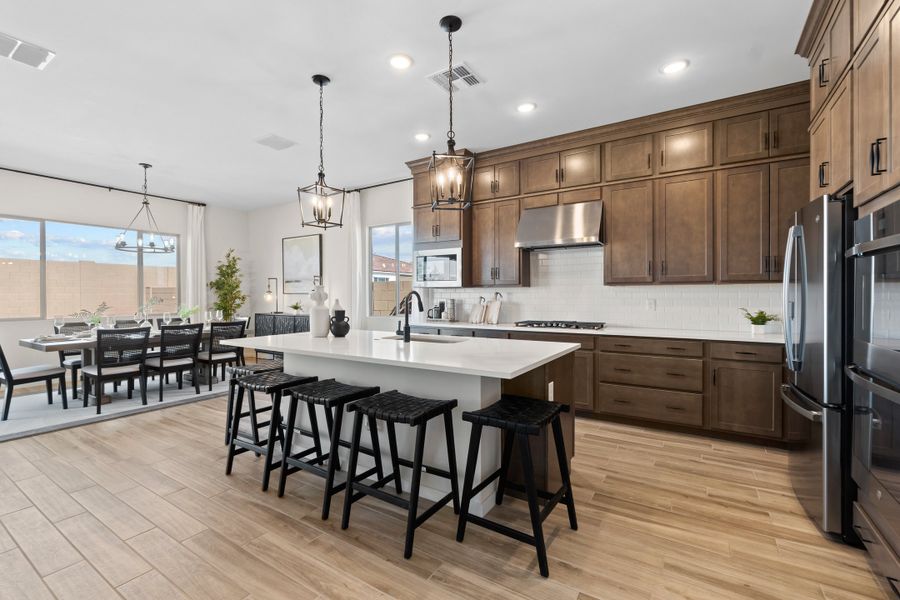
583	381
683	408
744	398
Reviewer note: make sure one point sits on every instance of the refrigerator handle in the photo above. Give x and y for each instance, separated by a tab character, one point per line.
871	384
788	304
810	415
802	273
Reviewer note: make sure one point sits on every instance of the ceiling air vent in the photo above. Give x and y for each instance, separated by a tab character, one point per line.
463	76
24	52
276	142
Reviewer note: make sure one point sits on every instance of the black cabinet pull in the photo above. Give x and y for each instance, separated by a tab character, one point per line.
775	139
824	182
823	81
822	175
765	262
745	353
715	372
619	401
620	370
662	158
556	175
676	348
664	267
648	160
675	374
766	140
622	345
562	174
650	267
878	169
675	408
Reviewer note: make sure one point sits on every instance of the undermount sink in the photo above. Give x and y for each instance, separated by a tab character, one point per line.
431	339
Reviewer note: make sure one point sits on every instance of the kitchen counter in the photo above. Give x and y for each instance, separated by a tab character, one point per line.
681	334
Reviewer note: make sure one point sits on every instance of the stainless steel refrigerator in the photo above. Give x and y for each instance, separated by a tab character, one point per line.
815	300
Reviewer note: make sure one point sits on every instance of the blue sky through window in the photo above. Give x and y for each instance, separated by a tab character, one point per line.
383	241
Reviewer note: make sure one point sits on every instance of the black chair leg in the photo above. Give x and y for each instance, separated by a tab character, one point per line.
451	460
314	428
7	401
474	442
144	389
333	460
49	386
74	383
254	426
179	377
62	391
376	447
274	428
99	394
288	442
395	459
235	423
86	391
533	508
414	490
196	378
508	440
351	470
564	471
229	407
163	379
130	388
333	455
210	370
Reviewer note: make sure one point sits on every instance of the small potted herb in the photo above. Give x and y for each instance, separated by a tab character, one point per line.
759	321
185	312
296	307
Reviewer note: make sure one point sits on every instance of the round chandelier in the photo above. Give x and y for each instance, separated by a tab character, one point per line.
166	244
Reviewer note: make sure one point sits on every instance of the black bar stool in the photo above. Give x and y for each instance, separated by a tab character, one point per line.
394	407
333	396
235	372
272	383
520	418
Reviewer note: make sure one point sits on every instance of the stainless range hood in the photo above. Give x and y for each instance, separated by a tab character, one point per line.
563	226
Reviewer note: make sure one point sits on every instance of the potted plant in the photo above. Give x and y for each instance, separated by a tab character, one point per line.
227	286
759	321
296	307
185	312
92	318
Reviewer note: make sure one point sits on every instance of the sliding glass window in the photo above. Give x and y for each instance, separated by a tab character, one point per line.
390	267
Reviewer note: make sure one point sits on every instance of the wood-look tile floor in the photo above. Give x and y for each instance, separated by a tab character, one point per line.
140	508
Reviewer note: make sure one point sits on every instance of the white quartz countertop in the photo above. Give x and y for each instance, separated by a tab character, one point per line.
681	334
483	357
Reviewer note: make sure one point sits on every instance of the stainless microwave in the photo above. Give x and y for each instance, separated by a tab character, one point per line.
438	268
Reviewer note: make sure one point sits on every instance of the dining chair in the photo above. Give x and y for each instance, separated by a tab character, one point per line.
46	373
178	349
173	321
126	323
218	354
71	360
120	356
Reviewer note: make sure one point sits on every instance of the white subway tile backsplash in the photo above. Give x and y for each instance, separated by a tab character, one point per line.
568	284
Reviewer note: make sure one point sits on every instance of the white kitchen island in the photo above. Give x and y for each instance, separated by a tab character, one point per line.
470	370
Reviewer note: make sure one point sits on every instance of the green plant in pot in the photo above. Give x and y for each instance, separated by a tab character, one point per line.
759	320
185	312
296	307
227	286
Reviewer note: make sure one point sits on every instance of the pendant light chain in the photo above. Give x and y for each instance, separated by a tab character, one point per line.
450	134
321	129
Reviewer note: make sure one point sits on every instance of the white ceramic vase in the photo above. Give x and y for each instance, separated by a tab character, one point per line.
319	317
759	329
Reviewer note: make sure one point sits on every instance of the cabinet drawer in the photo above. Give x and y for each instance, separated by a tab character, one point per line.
643	403
586	341
881	557
684	374
649	346
754	352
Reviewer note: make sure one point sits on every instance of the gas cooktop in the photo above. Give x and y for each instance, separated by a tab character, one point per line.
563	324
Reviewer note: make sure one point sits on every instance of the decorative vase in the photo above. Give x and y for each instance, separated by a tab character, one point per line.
759	329
340	323
318	314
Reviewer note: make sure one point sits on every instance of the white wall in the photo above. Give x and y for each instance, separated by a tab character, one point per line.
39	197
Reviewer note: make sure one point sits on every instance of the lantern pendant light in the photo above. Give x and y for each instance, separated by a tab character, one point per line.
451	174
320	198
150	245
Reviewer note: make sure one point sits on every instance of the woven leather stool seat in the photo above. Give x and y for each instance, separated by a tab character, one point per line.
272	381
517	414
329	392
263	366
401	408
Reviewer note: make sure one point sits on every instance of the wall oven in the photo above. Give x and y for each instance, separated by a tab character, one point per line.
874	371
438	267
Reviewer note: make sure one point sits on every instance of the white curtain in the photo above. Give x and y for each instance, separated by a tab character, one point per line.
195	259
359	272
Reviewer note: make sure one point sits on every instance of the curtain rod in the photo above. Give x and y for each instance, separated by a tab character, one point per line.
376	185
97	185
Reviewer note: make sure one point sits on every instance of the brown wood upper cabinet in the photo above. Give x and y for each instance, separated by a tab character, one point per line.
864	15
579	166
744	397
684	229
495	259
742	209
763	134
871	99
496	181
628	158
437	225
831	150
818	75
789	191
685	148
831	56
540	201
628	222
421	189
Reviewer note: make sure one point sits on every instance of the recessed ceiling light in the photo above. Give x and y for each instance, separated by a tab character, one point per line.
676	66
401	62
526	107
423	137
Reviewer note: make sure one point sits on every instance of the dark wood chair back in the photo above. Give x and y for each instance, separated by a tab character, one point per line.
180	341
121	347
225	331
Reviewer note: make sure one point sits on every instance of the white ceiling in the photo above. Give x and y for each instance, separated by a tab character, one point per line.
190	85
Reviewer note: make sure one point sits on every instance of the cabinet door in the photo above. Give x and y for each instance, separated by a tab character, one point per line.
583	381
507	258
628	158
870	130
421	189
507	177
892	20
839	33
449	225
789	130
580	166
745	137
788	192
483	185
742	208
864	13
744	398
582	195
540	201
839	171
818	75
685	148
820	159
483	244
540	173
684	228
628	223
425	223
